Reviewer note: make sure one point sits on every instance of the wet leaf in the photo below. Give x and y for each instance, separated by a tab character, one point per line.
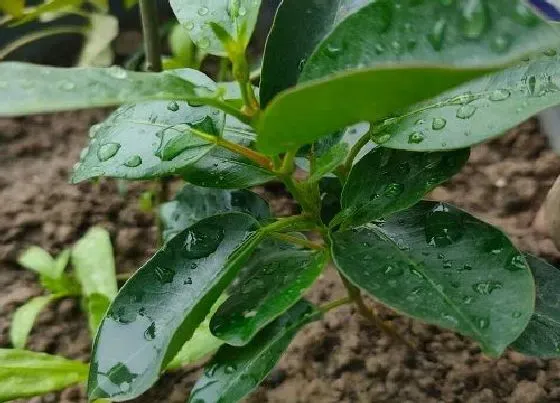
236	371
541	337
27	374
443	266
160	307
386	181
273	281
237	17
193	203
28	88
24	318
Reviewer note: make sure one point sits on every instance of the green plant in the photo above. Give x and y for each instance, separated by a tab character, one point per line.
429	78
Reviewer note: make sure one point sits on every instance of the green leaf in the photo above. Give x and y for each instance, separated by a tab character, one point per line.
331	192
236	371
273	281
160	307
202	342
237	17
60	263
97	306
174	142
97	51
13	8
28	88
193	203
327	162
24	318
45	8
27	374
443	266
38	260
386	181
478	110
541	337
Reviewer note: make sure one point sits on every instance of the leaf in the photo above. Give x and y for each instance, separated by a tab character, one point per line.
193	203
202	342
237	17
60	263
441	265
102	31
478	110
45	8
171	145
38	260
13	8
386	181
541	337
236	371
97	306
160	307
28	88
27	374
331	192
24	318
273	281
327	162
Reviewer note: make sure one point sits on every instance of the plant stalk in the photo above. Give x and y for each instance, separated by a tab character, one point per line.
150	29
297	241
335	304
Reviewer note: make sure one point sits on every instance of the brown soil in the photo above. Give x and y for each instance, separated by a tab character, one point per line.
342	358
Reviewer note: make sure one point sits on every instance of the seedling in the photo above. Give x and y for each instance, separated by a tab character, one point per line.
380	101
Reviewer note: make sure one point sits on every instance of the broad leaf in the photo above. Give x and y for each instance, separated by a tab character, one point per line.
160	307
441	265
24	318
477	111
273	281
96	51
173	143
541	337
237	17
201	344
28	88
236	371
327	162
193	203
27	374
386	181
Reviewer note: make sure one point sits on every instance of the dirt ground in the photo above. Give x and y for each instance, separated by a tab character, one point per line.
342	358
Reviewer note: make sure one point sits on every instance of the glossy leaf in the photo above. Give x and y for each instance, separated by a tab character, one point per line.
236	371
27	374
24	318
96	51
327	162
386	181
541	337
237	17
201	344
193	203
28	88
170	146
479	110
441	265
254	303
160	307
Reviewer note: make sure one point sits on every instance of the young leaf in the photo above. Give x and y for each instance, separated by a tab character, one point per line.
193	203
478	110
97	306
541	337
327	162
443	266
24	317
60	263
102	31
236	371
160	307
254	303
202	342
38	260
238	18
386	181
177	139
28	88
27	374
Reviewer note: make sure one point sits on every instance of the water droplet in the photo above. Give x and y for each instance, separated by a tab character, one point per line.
84	153
66	85
415	138
467	299
379	48
524	15
450	318
500	95
229	369
443	226
550	52
189	25
394	271
501	43
150	332
415	272
465	112
107	151
482	323
202	11
204	43
516	314
202	241
242	11
381	138
439	123
517	262
164	275
301	64
332	51
466	267
473	19
447	264
437	35
532	84
117	72
487	287
93	130
133	161
250	314
173	106
394	189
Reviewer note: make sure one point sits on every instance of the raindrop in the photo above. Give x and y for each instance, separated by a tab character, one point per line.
173	106
482	323
473	19
394	271
301	64
394	189
250	314
242	11
107	151
84	153
66	85
189	25
443	227
450	318
467	299
202	11
465	112
516	314
117	72
188	281
202	241
204	43
133	161
447	264
164	275
550	52
437	35
332	51
229	369
516	263
439	123
524	15
414	271
501	43
487	287
379	48
532	84
381	138
93	130
150	332
466	267
500	95
415	138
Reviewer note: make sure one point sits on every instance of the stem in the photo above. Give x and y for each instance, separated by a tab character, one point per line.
297	241
300	195
149	13
335	304
288	163
295	223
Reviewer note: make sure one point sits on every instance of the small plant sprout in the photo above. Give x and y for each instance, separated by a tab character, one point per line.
379	102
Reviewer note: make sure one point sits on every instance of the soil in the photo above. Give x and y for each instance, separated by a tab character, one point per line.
342	358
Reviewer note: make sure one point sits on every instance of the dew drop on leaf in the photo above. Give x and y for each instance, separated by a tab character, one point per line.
500	95
189	25
517	262
439	123
465	112
202	11
415	138
501	43
524	15
437	35
393	271
467	299
394	189
150	332
487	287
202	241
550	52
117	72
107	151
66	85
516	314
164	275
173	106
482	323
473	19
204	43
133	161
443	227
